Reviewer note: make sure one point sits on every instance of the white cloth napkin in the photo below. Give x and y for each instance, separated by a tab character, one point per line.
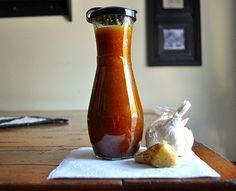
82	163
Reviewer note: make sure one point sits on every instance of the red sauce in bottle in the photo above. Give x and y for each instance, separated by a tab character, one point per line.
115	116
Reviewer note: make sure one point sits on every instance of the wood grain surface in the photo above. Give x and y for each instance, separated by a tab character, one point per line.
29	154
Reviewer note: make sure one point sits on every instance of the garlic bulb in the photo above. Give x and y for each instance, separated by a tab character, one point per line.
171	128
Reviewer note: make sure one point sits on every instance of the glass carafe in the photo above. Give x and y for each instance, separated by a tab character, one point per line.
115	116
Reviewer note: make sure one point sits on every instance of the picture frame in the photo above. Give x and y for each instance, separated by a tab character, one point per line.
173	33
26	8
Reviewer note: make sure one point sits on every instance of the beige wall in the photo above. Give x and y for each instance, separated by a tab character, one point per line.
49	63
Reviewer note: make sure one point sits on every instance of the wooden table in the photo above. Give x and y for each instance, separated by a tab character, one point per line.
29	154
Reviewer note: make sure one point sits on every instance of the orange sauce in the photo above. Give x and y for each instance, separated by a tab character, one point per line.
115	116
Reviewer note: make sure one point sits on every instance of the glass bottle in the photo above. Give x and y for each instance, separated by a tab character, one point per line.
115	116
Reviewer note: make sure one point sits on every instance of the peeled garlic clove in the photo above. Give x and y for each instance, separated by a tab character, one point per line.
159	155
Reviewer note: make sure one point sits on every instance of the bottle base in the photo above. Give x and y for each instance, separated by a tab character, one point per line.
113	159
113	154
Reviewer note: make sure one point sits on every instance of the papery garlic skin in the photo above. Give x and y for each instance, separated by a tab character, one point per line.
172	130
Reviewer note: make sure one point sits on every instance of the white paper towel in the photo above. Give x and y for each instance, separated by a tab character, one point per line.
82	163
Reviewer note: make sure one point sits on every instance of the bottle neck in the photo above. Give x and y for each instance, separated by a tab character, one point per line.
114	40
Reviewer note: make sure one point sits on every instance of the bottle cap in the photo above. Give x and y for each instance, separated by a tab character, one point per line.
98	11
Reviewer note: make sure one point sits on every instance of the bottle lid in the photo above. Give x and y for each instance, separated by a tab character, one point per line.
98	11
